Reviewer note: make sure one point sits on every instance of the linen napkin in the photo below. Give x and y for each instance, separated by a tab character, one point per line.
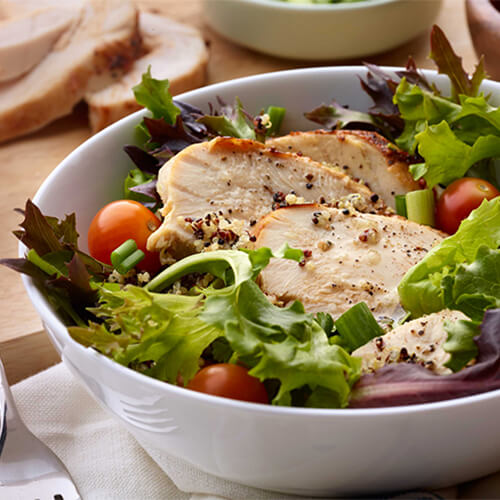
107	463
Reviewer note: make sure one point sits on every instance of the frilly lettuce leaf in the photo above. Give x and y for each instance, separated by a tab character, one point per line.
157	334
474	287
164	335
155	95
421	290
451	135
285	344
416	103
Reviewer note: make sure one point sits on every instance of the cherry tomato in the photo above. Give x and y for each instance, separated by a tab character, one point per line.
229	381
118	222
459	199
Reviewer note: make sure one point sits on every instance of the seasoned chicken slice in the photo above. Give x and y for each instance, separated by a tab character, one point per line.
363	155
26	39
94	50
173	50
350	257
214	192
418	341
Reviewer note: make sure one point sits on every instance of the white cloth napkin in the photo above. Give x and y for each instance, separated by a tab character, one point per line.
107	463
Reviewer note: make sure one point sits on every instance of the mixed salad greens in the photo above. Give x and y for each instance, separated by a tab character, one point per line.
207	310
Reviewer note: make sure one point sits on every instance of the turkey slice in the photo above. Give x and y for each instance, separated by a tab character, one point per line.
419	341
27	39
363	155
173	50
215	192
351	257
97	49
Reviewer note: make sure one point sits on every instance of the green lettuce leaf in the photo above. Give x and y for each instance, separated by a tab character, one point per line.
160	335
234	121
416	103
451	135
421	290
460	343
474	287
155	95
235	124
137	177
284	344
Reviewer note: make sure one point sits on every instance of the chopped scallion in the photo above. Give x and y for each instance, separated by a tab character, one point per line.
276	116
420	206
357	326
126	256
400	200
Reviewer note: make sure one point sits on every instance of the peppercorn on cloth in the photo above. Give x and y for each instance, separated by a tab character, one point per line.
107	463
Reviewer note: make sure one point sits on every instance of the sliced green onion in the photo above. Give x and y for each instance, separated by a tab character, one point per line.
276	116
420	206
126	256
357	326
42	263
400	200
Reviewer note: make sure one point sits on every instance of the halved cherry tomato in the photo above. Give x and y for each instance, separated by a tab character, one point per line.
229	381
118	222
459	199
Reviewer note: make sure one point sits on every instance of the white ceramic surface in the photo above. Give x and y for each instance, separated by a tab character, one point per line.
302	451
321	31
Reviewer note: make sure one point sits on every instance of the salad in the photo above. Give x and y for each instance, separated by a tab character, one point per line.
221	299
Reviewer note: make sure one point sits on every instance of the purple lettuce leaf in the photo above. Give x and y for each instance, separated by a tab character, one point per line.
408	384
175	137
450	64
143	160
68	283
416	77
380	86
334	115
148	189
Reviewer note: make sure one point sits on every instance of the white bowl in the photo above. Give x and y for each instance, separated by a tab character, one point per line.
321	31
301	451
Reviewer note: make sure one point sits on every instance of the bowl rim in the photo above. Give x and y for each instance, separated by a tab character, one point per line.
49	317
315	7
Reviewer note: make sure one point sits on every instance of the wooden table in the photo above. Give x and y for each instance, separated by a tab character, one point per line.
24	163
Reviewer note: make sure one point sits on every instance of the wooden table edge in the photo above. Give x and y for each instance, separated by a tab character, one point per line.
26	355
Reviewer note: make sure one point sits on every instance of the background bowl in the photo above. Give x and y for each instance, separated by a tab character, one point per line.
302	451
321	31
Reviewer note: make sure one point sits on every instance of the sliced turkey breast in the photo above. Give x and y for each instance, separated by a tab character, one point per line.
98	48
173	50
15	8
26	39
363	155
351	257
210	185
418	341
